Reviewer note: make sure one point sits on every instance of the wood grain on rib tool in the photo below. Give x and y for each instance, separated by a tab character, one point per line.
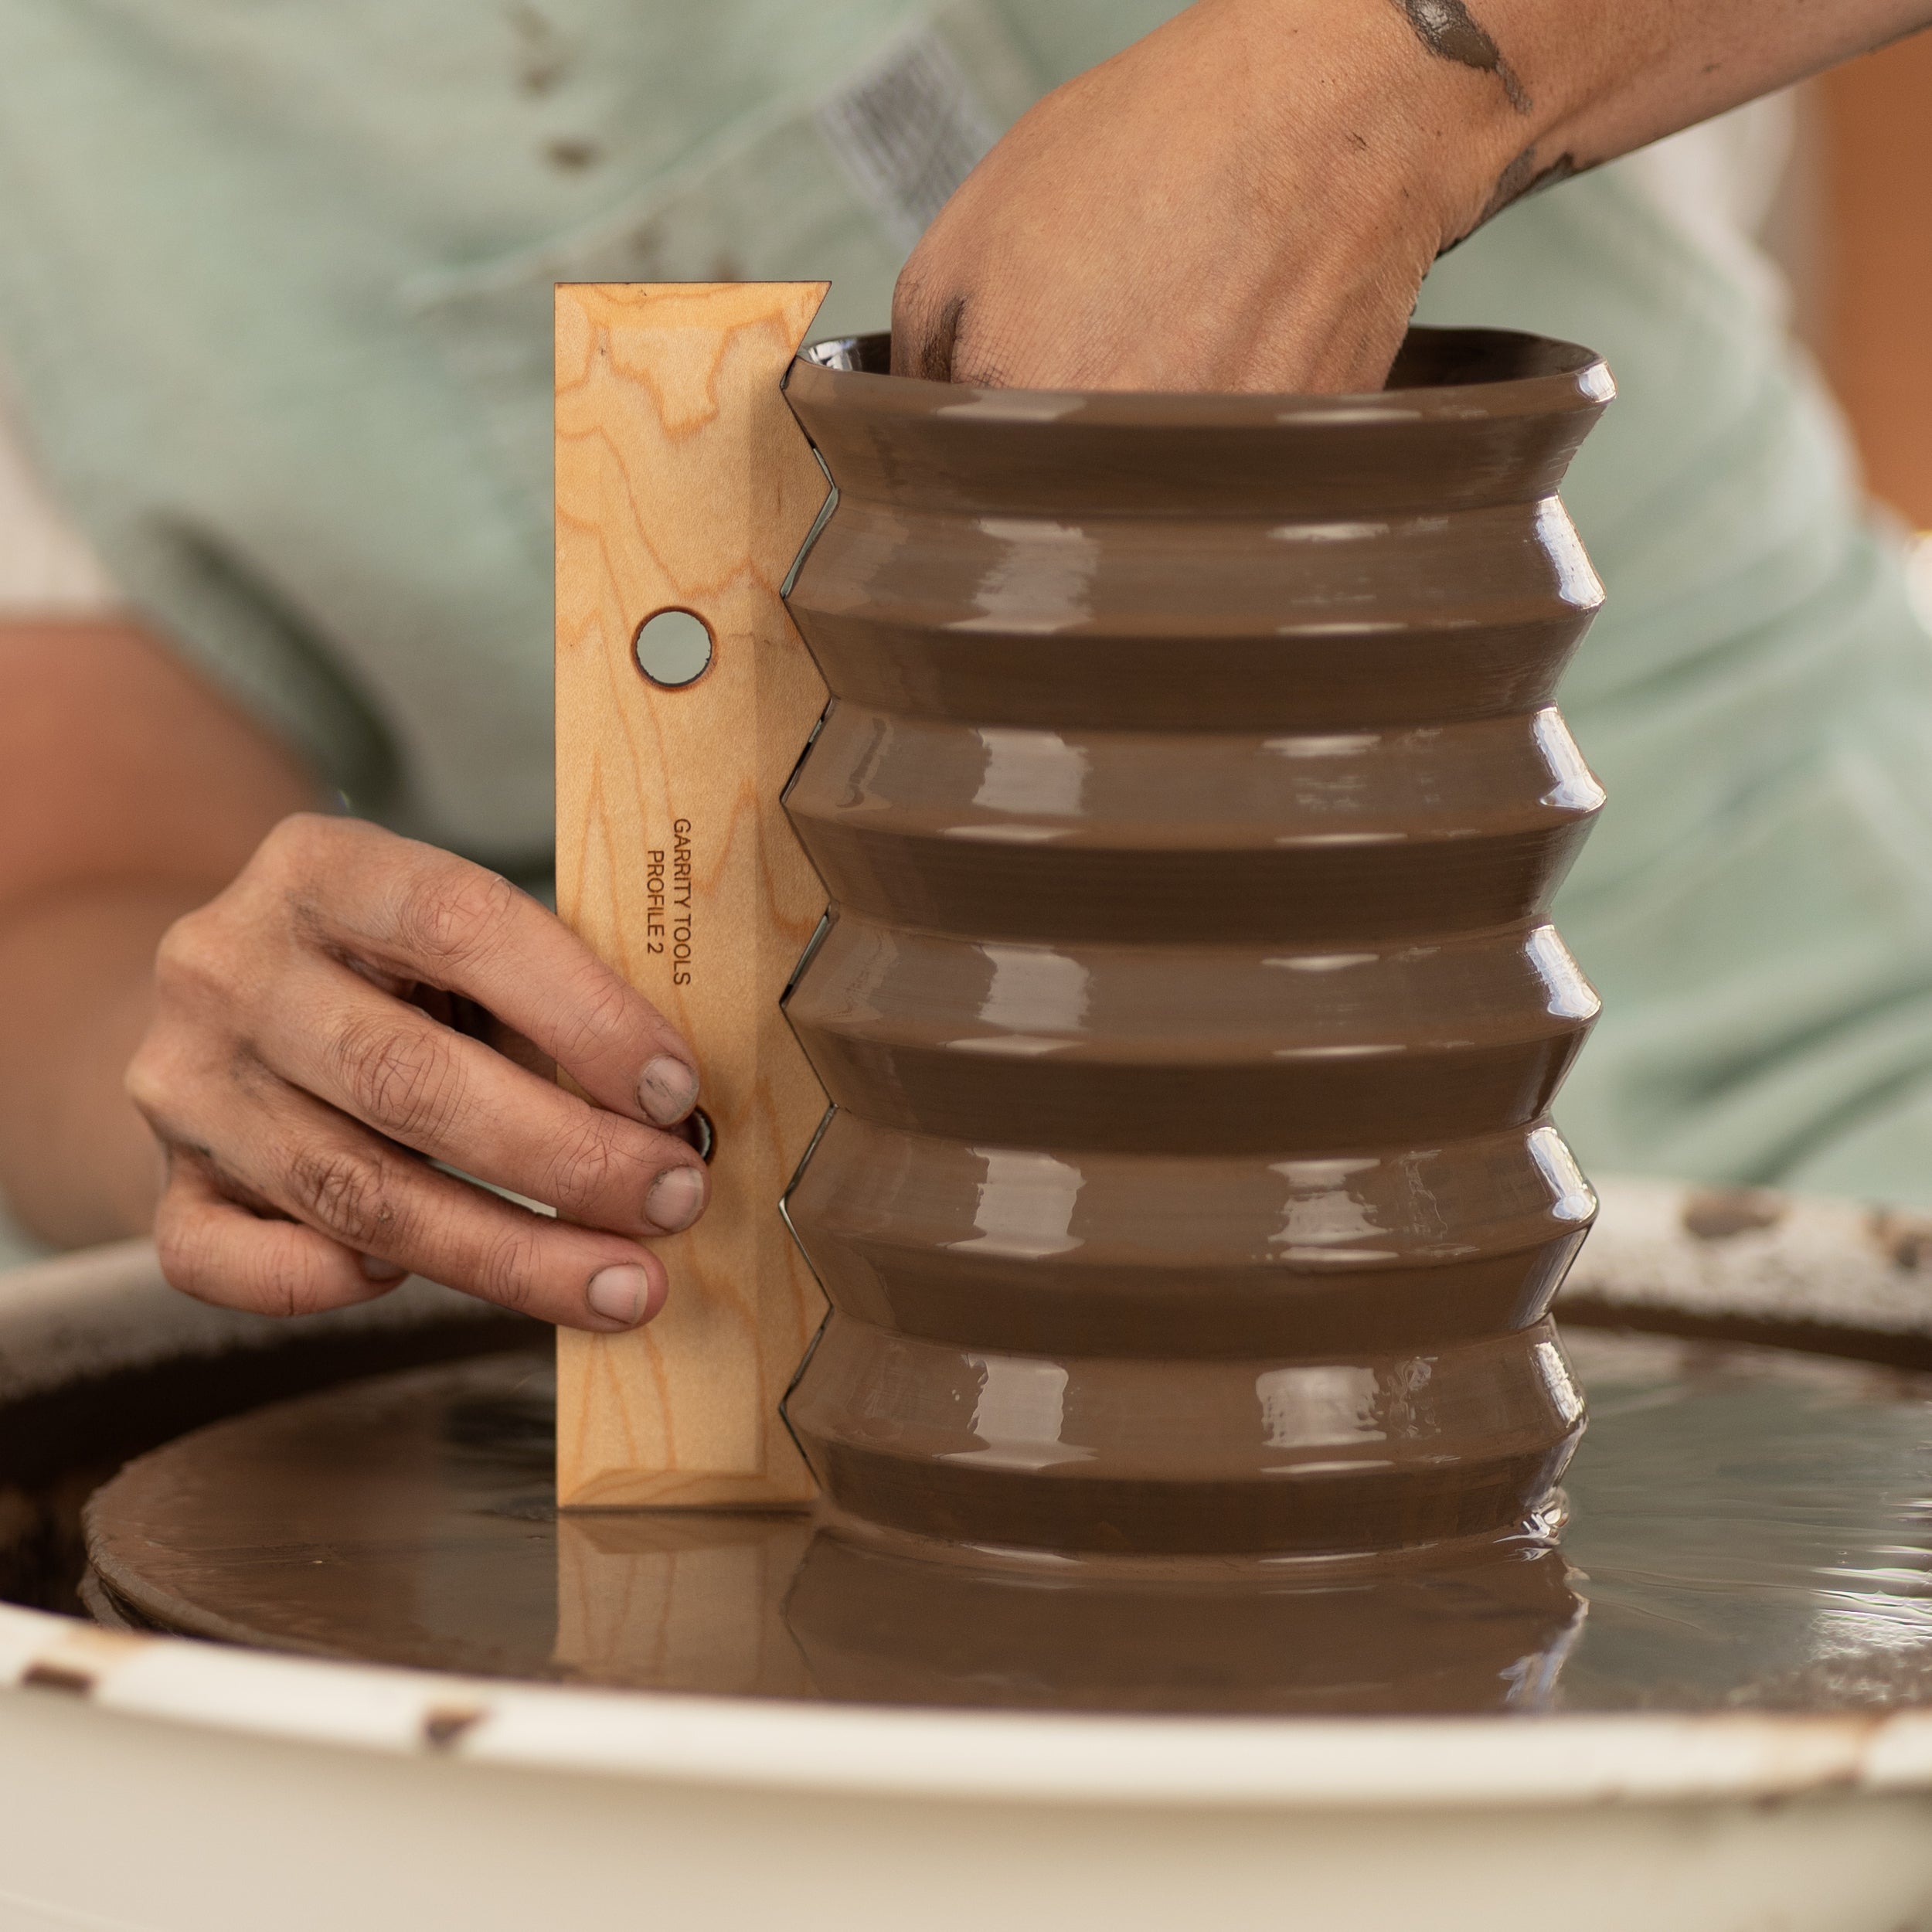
683	482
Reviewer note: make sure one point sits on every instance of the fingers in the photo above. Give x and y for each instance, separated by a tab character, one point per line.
1198	212
370	1212
302	1094
414	1080
412	912
218	1251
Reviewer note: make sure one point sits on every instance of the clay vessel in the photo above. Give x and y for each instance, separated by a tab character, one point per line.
878	1624
1190	805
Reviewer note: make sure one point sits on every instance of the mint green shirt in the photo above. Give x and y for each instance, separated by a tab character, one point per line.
274	302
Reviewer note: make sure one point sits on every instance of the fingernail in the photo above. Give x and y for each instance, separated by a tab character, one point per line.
378	1269
619	1294
676	1198
667	1090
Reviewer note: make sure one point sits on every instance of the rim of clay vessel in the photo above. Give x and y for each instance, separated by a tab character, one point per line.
1665	1251
1440	375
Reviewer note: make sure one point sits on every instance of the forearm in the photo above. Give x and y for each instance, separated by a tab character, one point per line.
1250	197
130	792
77	978
1553	87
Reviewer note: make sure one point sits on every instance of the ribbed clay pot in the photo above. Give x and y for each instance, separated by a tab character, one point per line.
1190	807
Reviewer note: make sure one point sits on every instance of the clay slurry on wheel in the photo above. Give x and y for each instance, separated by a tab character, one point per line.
1749	1532
1190	807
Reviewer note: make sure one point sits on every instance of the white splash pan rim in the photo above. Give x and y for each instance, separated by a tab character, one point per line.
1392	1763
1835	1265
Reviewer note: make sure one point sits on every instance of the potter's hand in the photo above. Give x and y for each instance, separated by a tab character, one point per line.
1228	204
307	1061
1249	197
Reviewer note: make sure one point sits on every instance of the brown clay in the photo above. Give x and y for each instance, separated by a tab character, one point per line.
1745	1525
1190	805
405	1519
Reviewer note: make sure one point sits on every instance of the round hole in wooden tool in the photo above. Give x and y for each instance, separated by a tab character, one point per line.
673	648
701	1134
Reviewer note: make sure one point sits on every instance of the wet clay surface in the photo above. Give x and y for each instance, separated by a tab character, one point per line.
1749	1527
57	1446
1189	804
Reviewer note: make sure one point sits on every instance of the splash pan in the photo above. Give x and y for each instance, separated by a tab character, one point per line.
1725	1739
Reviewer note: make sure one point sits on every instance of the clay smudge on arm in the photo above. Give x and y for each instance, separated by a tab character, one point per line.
1524	177
931	356
1521	177
1450	31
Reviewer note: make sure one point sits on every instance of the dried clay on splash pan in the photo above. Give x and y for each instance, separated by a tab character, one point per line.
1190	807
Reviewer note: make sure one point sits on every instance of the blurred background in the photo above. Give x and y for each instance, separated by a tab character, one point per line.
1816	203
1845	186
1852	226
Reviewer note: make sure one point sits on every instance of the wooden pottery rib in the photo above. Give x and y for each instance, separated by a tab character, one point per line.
684	483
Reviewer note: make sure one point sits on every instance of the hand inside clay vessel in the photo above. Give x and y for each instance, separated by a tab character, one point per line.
1249	197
